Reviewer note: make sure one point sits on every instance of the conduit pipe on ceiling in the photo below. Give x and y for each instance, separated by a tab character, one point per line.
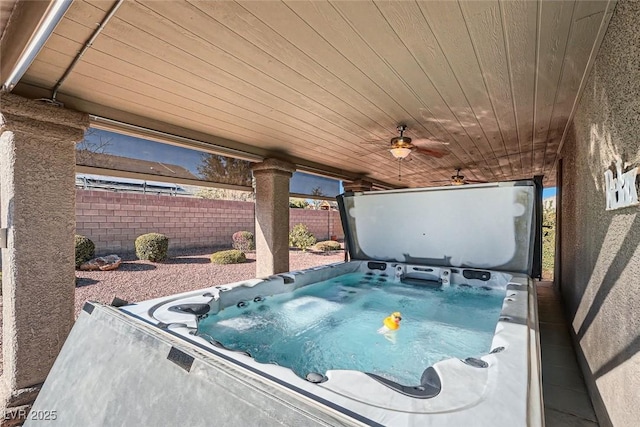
48	23
168	138
87	45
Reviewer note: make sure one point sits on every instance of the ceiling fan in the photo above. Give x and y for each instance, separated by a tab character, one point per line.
459	179
401	146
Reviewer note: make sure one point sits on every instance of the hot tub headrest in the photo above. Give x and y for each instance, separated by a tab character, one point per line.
195	309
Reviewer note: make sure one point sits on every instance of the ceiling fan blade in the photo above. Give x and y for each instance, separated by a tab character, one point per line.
430	152
431	144
426	142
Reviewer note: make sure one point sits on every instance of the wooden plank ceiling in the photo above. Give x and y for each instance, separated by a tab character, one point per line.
490	83
6	7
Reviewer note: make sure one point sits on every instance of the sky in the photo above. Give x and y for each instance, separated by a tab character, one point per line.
142	149
304	183
548	192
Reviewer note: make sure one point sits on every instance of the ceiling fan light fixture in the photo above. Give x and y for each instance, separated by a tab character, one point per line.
400	152
457	179
401	141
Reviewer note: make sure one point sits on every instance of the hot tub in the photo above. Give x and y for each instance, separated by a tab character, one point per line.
500	387
468	242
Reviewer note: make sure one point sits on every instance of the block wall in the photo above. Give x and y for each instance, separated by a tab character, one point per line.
114	220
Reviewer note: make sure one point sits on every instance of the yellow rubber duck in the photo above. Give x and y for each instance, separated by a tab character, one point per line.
393	322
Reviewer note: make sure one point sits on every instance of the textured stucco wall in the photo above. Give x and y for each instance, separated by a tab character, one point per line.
37	175
272	178
600	250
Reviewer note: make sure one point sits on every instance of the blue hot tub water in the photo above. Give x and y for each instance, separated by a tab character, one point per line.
333	325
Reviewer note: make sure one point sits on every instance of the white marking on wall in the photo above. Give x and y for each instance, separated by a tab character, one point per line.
620	190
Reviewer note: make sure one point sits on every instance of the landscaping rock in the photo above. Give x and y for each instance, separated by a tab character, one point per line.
109	262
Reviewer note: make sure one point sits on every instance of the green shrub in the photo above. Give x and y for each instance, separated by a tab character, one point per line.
301	237
327	245
85	249
152	246
243	241
232	256
298	203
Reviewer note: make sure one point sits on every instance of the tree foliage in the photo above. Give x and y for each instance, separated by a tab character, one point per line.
297	203
89	147
226	170
316	203
225	194
548	241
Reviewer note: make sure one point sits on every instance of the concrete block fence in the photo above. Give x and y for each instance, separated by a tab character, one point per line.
114	220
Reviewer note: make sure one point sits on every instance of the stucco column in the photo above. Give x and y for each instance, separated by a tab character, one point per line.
37	188
357	185
272	178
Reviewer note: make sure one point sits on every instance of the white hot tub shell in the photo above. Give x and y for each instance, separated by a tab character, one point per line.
143	364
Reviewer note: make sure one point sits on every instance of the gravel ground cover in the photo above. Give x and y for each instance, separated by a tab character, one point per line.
183	271
137	280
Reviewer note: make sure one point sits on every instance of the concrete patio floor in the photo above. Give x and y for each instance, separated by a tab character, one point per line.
566	402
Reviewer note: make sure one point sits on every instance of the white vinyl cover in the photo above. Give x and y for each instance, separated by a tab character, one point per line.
489	226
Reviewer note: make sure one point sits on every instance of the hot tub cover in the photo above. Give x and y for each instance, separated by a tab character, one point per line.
489	226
